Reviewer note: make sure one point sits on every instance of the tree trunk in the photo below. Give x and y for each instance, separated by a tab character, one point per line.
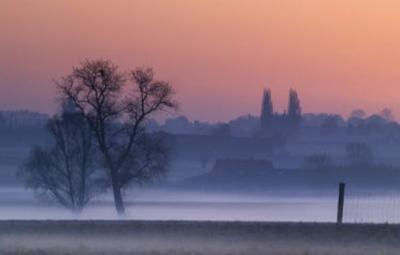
118	201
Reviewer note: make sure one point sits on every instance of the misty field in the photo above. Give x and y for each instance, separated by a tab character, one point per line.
179	237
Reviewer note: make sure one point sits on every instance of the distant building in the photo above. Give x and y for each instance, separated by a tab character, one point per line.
284	124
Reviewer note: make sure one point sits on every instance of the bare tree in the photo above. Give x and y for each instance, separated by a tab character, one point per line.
116	107
64	170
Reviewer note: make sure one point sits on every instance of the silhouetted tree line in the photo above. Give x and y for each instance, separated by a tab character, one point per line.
358	124
100	139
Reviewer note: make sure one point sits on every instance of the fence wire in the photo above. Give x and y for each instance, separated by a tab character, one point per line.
371	206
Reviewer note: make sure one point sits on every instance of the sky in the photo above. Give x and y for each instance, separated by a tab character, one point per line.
218	54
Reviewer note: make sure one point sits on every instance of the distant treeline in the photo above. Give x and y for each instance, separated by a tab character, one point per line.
358	124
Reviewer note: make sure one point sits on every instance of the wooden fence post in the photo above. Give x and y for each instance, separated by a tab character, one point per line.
340	203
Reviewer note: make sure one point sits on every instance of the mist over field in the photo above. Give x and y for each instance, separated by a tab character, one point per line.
178	205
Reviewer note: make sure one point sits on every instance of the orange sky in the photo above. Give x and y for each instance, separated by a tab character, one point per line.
219	54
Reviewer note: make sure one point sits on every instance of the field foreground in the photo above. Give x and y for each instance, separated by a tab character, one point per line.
180	237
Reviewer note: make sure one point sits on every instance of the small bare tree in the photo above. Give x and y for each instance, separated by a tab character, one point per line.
116	107
64	170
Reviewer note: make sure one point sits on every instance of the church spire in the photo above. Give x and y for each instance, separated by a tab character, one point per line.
267	110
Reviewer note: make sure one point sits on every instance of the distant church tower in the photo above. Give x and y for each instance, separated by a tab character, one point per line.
294	111
267	111
294	108
287	123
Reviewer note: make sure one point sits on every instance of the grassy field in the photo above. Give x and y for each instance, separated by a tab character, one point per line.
170	237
